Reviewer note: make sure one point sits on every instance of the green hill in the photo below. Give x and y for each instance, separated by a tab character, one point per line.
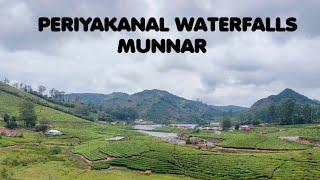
94	98
44	101
287	107
155	105
286	93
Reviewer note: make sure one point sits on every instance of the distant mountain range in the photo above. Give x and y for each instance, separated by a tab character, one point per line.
95	98
156	105
162	106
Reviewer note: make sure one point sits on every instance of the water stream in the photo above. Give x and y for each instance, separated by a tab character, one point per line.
172	138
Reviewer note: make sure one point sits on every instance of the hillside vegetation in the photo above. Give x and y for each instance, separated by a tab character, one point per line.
43	101
287	107
155	105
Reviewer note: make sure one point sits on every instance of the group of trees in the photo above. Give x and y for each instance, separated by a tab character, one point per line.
289	112
41	90
226	123
43	125
27	117
123	113
27	114
11	121
286	112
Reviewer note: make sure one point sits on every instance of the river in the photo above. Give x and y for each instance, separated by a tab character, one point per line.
172	138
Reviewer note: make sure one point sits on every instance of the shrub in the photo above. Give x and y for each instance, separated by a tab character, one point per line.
226	123
255	122
43	125
237	126
27	114
56	150
10	121
5	174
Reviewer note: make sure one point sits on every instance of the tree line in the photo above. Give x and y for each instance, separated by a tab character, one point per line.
75	107
287	112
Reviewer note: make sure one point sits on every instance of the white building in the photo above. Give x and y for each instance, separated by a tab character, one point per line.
54	132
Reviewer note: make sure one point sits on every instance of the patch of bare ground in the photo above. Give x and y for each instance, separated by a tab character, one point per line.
86	161
302	140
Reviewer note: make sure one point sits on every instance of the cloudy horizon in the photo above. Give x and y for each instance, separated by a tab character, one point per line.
238	68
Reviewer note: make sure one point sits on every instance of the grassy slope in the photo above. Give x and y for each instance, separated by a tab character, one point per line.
4	88
138	152
32	159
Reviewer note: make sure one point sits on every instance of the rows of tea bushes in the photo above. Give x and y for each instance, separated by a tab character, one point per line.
225	166
257	141
101	148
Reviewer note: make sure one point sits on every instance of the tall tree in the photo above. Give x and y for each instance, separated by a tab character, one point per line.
53	92
80	108
27	88
16	85
6	80
287	111
41	89
307	113
272	114
226	123
10	121
27	114
43	125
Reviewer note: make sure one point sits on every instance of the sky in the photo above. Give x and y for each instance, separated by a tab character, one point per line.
238	68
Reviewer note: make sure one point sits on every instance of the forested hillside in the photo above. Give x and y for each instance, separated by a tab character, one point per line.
288	107
155	105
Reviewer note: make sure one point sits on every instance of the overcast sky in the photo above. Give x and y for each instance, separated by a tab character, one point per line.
238	68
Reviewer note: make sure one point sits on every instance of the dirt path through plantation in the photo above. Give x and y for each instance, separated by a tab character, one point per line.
85	160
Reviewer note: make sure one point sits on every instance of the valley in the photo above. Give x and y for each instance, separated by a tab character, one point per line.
89	149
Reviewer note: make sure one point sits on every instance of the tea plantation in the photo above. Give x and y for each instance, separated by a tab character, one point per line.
83	151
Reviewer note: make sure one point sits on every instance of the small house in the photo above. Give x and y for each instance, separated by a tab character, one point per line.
142	122
54	132
183	126
245	128
116	138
